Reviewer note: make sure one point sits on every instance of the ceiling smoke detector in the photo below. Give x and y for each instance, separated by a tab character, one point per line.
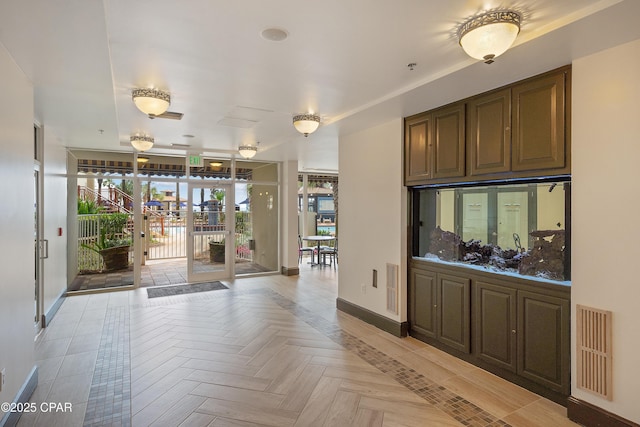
274	34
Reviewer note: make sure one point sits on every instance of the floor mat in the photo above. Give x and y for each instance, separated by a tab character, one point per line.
166	291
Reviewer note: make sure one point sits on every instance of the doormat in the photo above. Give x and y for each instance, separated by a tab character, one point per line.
167	291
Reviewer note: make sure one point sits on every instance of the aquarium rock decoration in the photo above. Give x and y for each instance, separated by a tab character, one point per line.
544	259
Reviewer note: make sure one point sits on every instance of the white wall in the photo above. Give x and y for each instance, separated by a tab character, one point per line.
55	216
606	210
16	228
373	216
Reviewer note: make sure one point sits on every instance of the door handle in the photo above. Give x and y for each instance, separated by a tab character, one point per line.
45	248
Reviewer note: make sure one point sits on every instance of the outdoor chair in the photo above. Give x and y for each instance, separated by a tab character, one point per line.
303	249
331	251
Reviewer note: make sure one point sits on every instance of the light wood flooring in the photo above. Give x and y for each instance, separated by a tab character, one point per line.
269	351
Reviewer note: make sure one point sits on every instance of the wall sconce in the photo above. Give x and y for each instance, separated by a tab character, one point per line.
489	35
247	151
142	159
152	102
306	123
141	142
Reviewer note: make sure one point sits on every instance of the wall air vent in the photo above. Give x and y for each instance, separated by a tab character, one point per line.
392	288
593	353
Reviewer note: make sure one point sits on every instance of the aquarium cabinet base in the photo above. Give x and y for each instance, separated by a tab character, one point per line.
514	327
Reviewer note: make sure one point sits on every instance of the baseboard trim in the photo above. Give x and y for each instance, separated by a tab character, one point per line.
289	271
398	329
10	419
48	316
589	415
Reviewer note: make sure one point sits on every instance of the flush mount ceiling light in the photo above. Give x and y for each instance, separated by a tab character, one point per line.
142	159
306	123
142	142
489	35
151	101
215	164
247	151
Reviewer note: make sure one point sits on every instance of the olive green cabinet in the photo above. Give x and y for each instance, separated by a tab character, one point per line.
512	326
448	141
544	340
489	133
453	310
435	144
519	131
495	324
423	302
440	308
538	124
417	166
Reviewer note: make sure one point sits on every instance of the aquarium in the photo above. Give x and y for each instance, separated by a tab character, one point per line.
511	228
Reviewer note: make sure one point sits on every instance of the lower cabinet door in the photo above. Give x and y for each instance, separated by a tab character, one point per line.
423	300
453	311
543	341
495	324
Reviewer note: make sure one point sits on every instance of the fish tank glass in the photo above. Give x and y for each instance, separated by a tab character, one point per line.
520	229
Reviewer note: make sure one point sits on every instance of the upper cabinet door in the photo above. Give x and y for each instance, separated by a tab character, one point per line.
448	127
417	161
538	133
489	133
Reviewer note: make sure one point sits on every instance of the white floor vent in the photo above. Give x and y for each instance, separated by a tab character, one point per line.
392	288
594	351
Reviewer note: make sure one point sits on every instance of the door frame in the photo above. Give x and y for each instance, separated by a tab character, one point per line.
229	226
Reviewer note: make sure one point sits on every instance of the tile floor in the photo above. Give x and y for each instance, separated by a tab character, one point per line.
268	351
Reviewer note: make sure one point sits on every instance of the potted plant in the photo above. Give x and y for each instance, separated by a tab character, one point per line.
216	250
112	245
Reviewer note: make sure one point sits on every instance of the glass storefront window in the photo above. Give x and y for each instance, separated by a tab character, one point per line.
515	228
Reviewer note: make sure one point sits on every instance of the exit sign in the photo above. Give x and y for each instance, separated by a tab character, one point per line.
195	160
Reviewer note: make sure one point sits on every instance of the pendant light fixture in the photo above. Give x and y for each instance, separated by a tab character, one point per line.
306	123
489	35
152	102
142	142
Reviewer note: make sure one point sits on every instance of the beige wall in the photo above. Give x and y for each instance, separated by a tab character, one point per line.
605	208
373	211
16	228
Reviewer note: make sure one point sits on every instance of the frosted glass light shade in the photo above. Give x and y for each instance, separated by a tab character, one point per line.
151	101
247	151
489	35
142	142
306	123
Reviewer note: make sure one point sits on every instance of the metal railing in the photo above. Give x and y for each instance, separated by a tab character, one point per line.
90	230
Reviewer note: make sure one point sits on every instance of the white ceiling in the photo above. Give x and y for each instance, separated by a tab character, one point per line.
345	60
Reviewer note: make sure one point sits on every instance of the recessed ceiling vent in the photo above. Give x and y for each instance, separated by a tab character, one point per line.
237	123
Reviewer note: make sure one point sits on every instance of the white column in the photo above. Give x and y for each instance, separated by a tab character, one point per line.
289	217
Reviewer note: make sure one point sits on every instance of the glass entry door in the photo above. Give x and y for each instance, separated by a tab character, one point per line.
209	239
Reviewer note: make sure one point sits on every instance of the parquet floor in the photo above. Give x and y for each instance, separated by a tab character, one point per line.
269	351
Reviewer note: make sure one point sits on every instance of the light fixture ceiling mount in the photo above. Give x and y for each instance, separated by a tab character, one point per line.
490	34
152	102
142	142
306	123
247	151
